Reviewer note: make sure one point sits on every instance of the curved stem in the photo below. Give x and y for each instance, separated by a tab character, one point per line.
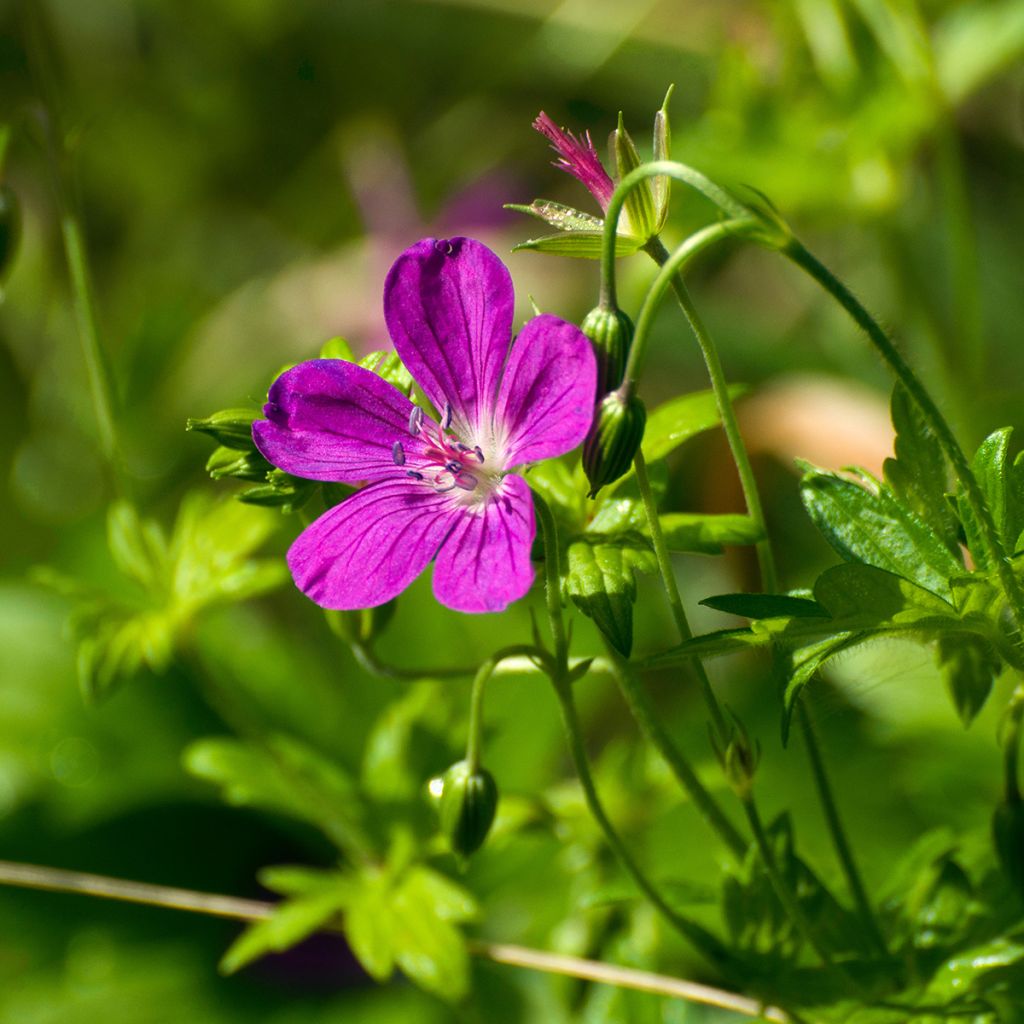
671	267
1011	748
1011	586
553	583
642	710
697	935
30	876
839	839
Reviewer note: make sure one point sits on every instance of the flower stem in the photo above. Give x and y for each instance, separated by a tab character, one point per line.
642	710
671	273
839	839
553	584
1011	586
1011	747
31	876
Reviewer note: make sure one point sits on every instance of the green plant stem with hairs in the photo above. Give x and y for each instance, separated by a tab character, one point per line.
696	934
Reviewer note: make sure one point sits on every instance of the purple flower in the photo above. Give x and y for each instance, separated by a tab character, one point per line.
578	157
437	488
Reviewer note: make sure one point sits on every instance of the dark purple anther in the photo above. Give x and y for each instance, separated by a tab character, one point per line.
454	466
447	415
479	453
398	453
414	474
415	420
462	447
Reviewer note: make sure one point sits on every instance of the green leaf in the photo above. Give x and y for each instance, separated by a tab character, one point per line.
388	366
564	218
969	665
766	606
974	42
600	580
797	666
290	923
872	527
137	545
299	880
679	419
410	921
563	490
864	597
1002	483
918	475
582	244
707	534
337	348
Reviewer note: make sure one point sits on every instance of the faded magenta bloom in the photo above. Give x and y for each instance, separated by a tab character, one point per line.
578	157
439	489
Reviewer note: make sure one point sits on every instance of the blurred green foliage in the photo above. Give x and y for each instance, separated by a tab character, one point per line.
246	172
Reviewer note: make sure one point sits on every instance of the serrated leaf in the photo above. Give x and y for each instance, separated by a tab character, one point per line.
1002	483
873	528
797	666
389	367
600	580
558	215
969	665
290	923
586	245
766	606
918	475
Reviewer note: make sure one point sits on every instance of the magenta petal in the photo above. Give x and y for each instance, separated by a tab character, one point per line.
448	306
484	564
369	548
546	400
332	420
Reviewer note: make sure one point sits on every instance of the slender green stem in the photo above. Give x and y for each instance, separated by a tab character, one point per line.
671	270
783	891
696	934
44	879
1011	586
839	838
672	590
727	203
1011	747
643	711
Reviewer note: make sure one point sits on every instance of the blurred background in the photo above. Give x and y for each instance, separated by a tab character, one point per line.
245	171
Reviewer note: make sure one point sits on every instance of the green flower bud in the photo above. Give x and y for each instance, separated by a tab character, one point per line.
611	332
614	438
739	759
1008	837
229	462
639	206
662	185
231	428
466	806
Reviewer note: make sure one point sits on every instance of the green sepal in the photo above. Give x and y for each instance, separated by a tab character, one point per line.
466	807
558	215
230	462
611	333
969	665
639	205
230	428
614	438
587	245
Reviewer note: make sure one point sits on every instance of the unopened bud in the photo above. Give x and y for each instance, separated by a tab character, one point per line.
10	228
466	807
229	462
611	333
231	428
614	438
1008	838
662	185
639	203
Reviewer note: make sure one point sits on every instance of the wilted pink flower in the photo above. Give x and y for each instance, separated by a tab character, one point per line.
438	489
578	157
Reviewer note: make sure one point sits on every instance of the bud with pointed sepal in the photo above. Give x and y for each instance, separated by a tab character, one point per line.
639	204
611	332
231	428
662	185
614	437
466	806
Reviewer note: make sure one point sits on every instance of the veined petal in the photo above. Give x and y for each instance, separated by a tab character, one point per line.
546	399
328	419
369	548
448	306
484	565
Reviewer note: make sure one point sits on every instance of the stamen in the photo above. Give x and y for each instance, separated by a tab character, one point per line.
398	453
465	480
447	416
462	447
414	474
479	453
415	420
454	466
